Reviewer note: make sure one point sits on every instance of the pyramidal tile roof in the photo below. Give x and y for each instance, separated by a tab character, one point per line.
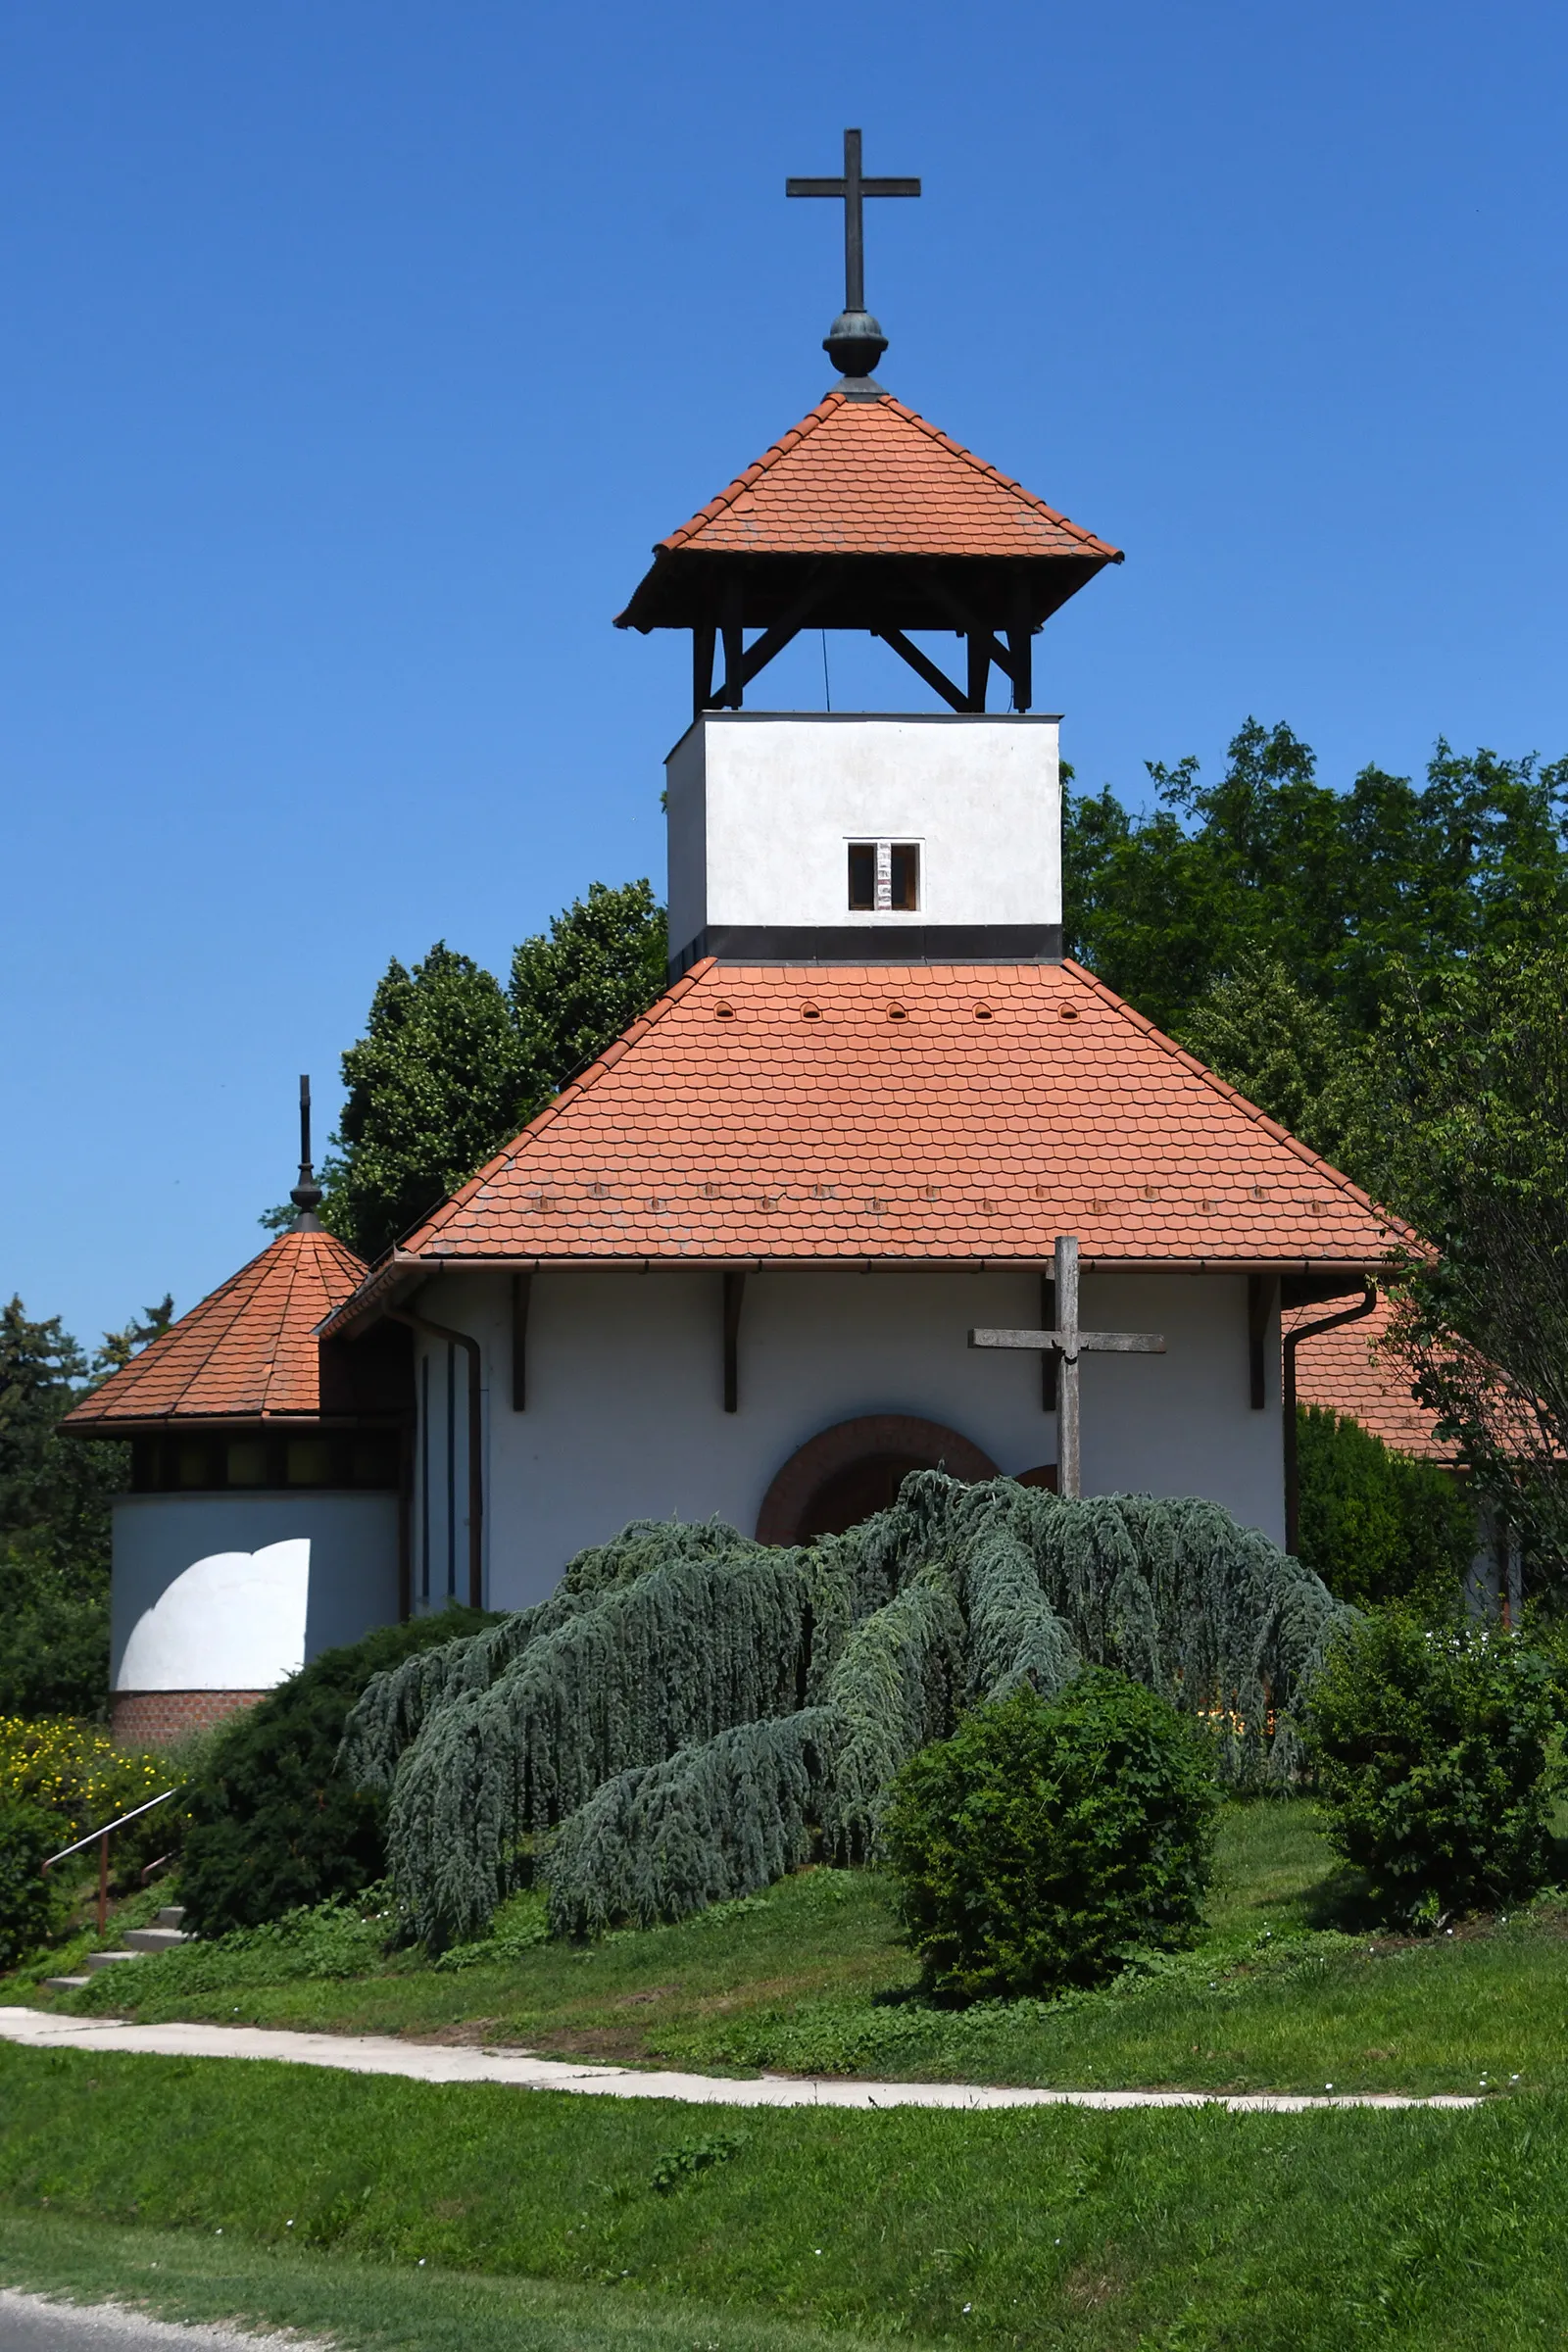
248	1351
808	1114
1351	1371
871	478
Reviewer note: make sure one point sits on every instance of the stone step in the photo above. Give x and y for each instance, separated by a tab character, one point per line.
66	1984
155	1939
110	1959
173	1915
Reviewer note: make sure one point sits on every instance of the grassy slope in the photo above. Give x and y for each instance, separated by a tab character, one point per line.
1196	2229
813	1977
177	2275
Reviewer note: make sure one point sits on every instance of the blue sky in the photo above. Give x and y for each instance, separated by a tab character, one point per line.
355	355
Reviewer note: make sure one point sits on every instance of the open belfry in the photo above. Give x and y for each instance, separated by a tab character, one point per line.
734	1269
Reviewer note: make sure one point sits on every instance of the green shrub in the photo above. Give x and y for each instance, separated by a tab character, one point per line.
273	1826
27	1834
1435	1752
1041	1844
1379	1526
74	1771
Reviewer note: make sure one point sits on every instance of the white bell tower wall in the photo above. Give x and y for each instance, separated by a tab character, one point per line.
957	819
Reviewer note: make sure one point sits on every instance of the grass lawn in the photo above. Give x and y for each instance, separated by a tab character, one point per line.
181	2274
812	1977
1196	2229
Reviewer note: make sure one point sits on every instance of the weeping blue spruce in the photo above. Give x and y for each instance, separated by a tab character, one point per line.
693	1713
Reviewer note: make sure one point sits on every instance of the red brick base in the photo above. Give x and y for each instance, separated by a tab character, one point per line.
161	1718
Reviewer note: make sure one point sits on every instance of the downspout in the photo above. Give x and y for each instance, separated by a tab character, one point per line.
442	1331
1292	1341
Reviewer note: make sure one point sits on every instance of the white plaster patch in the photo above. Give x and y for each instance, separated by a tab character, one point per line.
234	1621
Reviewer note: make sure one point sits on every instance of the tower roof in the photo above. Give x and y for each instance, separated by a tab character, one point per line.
248	1352
936	1114
894	522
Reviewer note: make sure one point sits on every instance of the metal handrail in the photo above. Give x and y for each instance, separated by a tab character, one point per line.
101	1839
110	1826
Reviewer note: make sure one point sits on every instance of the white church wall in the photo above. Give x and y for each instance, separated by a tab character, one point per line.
762	807
236	1592
626	1420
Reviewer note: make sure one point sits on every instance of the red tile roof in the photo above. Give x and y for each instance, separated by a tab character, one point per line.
813	1113
247	1352
870	478
1351	1371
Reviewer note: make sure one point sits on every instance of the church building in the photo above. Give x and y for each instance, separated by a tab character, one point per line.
882	1182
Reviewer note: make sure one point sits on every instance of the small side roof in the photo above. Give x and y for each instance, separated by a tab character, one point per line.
248	1352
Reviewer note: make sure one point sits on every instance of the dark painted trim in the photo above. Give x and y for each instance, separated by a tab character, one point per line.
929	943
856	718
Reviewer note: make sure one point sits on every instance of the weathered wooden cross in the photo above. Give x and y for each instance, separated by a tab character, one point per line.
1067	1342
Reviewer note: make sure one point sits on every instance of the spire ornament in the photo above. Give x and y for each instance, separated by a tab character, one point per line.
854	342
307	1194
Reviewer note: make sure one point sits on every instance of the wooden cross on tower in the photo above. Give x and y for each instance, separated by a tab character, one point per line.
1067	1342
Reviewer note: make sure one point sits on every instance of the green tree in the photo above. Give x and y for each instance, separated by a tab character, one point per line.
1377	969
55	1495
1467	1135
574	991
451	1066
1380	1526
435	1086
1286	1051
1331	886
121	1345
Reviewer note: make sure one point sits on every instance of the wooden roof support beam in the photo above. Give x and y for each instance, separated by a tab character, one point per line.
968	623
742	662
981	645
1263	1298
734	1297
936	679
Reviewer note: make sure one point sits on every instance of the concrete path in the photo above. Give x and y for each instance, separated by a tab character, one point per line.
440	2062
32	2324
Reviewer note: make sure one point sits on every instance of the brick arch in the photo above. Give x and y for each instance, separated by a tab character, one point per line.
892	1439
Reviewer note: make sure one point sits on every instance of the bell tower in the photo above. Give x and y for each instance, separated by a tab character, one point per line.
928	835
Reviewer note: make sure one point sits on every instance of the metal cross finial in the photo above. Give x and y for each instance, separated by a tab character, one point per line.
1066	1344
307	1194
851	338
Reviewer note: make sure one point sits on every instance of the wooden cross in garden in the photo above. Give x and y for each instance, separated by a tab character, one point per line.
1067	1342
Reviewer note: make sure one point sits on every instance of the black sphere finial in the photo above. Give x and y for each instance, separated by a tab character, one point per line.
307	1194
854	343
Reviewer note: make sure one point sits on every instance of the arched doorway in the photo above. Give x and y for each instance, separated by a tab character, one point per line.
844	1474
1045	1476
